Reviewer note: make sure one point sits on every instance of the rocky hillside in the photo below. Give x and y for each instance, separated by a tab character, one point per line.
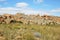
29	19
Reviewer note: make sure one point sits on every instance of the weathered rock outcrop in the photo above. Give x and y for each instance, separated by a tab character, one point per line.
29	19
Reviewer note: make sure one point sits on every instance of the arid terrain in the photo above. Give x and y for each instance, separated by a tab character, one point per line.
29	19
29	27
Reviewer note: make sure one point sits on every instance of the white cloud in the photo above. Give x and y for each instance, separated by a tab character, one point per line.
12	10
9	10
21	4
56	10
37	1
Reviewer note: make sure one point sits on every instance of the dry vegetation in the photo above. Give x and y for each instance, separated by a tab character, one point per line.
17	31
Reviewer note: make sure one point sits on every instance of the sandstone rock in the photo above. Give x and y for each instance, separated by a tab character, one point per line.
29	19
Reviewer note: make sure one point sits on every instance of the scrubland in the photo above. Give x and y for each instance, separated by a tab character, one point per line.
17	31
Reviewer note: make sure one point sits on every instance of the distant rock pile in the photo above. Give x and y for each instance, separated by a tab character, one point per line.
29	19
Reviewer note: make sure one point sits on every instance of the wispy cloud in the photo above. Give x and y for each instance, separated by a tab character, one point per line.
12	10
56	10
37	1
22	4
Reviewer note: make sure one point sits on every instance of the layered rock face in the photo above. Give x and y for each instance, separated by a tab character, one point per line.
29	19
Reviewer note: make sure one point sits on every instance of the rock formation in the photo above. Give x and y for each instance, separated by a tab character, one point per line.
29	19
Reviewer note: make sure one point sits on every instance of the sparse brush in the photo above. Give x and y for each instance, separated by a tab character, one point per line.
17	31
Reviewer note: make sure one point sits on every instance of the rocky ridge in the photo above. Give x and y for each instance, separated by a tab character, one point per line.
29	19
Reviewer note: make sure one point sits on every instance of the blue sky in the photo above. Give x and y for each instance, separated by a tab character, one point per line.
51	7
